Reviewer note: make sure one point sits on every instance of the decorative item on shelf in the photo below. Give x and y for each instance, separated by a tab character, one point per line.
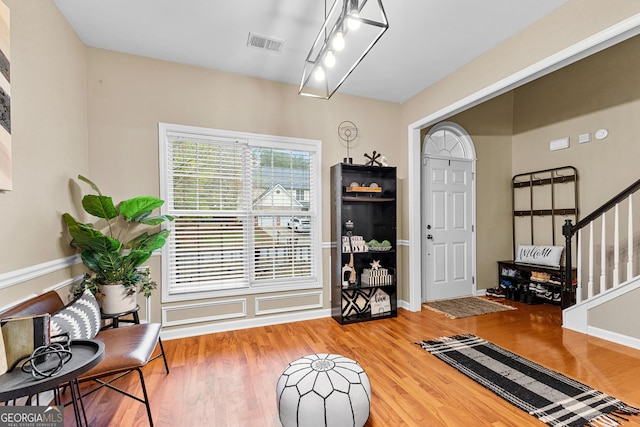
373	159
348	225
375	246
376	159
376	275
347	132
355	302
380	303
351	279
354	243
346	274
373	188
112	253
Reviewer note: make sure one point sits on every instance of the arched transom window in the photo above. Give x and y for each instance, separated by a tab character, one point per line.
448	139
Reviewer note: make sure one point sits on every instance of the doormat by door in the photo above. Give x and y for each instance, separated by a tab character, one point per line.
553	398
466	307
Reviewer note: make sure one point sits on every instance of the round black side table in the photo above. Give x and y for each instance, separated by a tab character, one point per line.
85	355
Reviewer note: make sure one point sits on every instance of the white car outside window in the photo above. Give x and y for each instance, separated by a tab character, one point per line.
300	225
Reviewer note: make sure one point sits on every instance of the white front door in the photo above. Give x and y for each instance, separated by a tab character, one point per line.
447	229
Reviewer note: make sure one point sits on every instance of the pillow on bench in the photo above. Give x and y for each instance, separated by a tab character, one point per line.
80	318
546	256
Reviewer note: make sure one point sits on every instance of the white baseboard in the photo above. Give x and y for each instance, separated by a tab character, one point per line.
404	304
614	337
191	331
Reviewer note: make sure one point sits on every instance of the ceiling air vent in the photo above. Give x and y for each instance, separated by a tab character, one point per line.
263	42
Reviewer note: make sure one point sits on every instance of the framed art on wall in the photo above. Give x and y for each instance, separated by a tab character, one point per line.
6	181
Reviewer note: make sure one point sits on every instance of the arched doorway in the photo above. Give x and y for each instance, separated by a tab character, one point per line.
448	213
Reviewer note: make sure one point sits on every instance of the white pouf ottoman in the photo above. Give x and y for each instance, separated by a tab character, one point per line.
323	390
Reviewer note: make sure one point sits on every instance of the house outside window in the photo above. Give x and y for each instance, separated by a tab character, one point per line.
302	195
247	212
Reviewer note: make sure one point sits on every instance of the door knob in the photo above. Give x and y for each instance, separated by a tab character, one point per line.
429	236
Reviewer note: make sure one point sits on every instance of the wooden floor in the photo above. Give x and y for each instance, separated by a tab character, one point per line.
228	379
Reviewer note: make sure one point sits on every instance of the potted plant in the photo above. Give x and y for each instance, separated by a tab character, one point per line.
115	250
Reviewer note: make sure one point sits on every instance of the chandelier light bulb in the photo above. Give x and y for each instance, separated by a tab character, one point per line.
338	41
319	74
352	23
329	59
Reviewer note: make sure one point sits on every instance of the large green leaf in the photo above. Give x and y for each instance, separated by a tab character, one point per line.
133	209
91	184
82	234
110	265
69	220
156	220
99	206
149	242
135	258
90	261
104	244
105	264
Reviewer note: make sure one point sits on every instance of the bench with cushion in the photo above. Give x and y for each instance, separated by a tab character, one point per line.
127	349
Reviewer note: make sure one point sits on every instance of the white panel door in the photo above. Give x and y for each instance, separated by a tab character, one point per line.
447	231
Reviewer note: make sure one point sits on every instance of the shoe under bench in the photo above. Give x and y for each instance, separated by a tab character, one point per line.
521	276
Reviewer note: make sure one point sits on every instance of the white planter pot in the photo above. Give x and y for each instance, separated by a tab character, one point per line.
114	299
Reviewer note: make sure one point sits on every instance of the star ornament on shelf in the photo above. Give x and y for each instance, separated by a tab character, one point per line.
375	264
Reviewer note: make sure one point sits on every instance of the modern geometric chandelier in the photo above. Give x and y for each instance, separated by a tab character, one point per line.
350	30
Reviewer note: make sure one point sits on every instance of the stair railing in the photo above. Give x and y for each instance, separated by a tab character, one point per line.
569	230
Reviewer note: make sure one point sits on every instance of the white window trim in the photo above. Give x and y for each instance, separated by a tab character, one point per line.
253	139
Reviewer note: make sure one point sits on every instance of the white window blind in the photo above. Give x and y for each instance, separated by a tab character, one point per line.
245	209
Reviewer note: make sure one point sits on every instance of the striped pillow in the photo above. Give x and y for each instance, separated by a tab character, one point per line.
80	318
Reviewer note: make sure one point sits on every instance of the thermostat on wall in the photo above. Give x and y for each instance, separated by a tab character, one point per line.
601	133
559	144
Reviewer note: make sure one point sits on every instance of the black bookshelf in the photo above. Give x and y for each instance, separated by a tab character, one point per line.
364	197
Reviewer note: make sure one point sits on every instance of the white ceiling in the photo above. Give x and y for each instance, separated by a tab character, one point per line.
426	40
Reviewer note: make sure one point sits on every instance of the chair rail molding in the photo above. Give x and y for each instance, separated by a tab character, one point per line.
15	277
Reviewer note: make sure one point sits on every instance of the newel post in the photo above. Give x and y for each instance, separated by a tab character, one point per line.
568	298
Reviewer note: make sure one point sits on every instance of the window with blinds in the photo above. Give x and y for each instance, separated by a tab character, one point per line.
246	209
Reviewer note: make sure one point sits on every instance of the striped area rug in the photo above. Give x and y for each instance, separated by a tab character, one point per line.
549	396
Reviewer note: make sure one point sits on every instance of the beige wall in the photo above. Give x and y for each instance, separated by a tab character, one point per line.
49	131
49	127
599	92
620	315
